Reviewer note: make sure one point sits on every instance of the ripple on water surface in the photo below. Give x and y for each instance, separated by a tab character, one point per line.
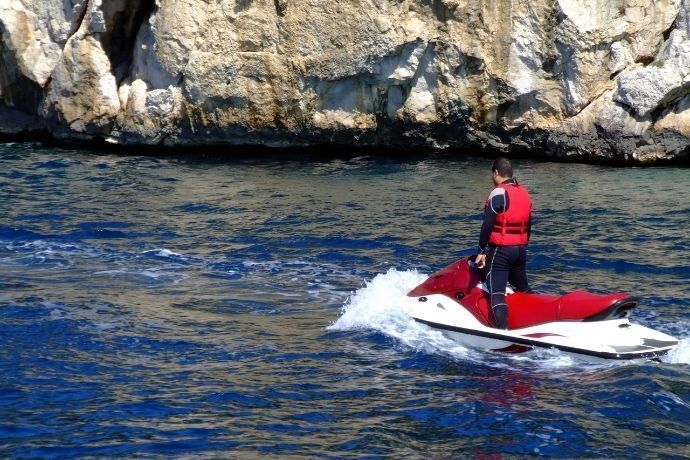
250	307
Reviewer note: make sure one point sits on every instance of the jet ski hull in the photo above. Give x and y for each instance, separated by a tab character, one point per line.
615	339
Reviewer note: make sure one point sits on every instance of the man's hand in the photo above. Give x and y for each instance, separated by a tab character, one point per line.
480	260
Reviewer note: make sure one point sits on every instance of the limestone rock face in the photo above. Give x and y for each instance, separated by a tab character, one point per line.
598	80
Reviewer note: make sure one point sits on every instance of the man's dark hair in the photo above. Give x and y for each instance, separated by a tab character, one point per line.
503	166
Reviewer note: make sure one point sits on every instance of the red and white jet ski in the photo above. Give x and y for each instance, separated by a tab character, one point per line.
455	301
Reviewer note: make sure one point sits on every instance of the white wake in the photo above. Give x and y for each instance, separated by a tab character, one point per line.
680	354
378	306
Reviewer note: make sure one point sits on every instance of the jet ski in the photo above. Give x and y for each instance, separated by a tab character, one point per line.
455	301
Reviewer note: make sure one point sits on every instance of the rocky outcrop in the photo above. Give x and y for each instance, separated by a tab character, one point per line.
592	80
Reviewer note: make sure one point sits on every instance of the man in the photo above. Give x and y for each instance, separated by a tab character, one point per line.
504	237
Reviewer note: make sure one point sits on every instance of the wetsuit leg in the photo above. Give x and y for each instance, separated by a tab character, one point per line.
498	268
518	271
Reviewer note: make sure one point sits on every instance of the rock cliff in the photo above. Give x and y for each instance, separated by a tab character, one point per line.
592	80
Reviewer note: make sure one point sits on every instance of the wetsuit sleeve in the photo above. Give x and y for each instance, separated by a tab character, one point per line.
495	205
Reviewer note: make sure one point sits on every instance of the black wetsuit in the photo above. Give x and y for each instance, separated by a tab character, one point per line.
503	263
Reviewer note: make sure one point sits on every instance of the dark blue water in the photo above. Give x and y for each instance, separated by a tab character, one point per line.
208	307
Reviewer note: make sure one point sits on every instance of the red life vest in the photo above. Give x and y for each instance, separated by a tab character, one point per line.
511	227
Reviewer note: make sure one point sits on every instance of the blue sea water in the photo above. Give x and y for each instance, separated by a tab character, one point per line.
238	307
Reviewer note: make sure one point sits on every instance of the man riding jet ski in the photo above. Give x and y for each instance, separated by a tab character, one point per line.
504	237
479	311
456	301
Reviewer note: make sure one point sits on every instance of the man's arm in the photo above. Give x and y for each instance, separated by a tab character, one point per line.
487	227
496	204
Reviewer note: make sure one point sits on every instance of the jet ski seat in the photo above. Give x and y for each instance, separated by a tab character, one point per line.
530	309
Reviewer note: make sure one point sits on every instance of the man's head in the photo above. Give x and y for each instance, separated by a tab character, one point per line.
501	170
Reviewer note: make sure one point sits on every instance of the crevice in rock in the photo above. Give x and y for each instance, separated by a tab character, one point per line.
584	107
440	9
242	5
16	90
427	58
120	37
670	101
667	33
616	73
77	24
549	64
632	112
281	7
629	110
503	108
644	60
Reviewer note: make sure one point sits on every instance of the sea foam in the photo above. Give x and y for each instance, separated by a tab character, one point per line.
377	306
